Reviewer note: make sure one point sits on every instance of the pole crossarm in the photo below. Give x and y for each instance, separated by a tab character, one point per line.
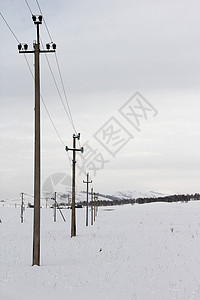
87	181
27	51
40	51
73	149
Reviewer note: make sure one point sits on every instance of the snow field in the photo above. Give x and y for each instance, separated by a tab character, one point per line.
142	252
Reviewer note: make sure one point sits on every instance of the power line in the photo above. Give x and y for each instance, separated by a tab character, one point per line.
16	38
68	113
28	195
28	7
33	76
52	121
40	94
32	196
10	28
59	70
45	104
44	20
67	102
47	109
56	83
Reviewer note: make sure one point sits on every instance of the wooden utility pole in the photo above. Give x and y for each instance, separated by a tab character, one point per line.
73	219
92	206
96	204
23	48
55	204
87	182
94	197
22	208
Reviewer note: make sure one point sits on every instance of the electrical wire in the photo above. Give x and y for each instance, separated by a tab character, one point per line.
34	78
40	94
44	21
64	91
28	195
45	104
54	79
32	196
28	7
10	28
46	107
70	117
68	113
59	70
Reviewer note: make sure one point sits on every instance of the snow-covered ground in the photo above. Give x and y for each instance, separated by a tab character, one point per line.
143	252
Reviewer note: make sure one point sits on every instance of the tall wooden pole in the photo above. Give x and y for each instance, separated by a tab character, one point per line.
55	204
73	218
92	206
87	182
96	204
36	219
22	208
94	197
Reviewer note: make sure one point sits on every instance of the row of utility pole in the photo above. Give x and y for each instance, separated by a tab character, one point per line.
93	205
94	197
50	47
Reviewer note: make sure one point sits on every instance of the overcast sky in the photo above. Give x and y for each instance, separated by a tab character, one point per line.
107	51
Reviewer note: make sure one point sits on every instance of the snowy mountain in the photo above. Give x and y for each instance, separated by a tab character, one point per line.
133	194
47	198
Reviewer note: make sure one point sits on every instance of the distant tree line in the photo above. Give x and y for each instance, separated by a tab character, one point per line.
117	201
